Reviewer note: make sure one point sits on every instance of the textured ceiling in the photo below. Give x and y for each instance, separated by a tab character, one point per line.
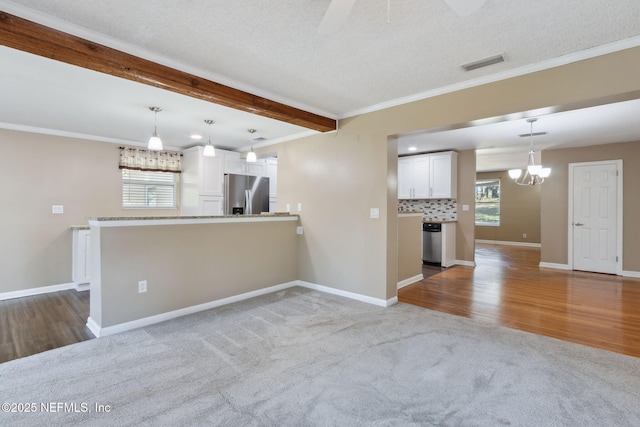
378	58
273	45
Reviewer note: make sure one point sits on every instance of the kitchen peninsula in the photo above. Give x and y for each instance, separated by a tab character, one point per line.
147	270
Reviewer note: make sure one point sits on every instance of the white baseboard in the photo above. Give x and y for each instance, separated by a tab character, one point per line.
93	327
36	291
99	331
347	294
627	273
554	265
464	262
81	287
502	242
410	280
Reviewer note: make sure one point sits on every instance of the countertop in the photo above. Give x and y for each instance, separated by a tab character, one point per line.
117	221
129	218
420	213
410	213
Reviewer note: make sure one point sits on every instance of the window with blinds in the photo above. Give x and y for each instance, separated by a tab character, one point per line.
149	190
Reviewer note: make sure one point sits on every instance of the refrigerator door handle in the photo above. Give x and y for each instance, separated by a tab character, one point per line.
247	202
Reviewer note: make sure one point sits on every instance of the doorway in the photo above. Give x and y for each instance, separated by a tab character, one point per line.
595	216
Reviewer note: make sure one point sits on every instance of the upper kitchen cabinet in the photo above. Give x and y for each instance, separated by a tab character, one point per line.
233	163
413	177
443	175
428	176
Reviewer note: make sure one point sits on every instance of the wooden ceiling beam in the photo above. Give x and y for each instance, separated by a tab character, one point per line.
28	36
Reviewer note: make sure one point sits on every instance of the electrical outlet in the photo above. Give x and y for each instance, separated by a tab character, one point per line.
288	207
524	235
299	230
374	213
142	286
299	207
57	209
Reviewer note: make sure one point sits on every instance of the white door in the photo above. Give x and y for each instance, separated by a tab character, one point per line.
594	221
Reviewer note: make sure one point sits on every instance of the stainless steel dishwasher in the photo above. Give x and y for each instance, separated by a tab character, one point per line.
432	243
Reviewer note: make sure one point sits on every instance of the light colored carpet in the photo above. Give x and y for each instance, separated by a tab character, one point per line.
304	358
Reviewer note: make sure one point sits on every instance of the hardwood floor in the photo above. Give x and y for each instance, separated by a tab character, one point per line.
38	323
508	288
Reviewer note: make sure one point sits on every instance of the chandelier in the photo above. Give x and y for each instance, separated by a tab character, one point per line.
533	174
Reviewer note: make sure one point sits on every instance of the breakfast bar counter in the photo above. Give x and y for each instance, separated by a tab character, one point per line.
149	269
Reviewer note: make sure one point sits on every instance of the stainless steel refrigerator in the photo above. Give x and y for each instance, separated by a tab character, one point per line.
245	194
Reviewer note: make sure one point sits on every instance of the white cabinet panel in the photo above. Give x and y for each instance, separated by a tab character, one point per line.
413	177
421	168
203	181
211	205
257	168
405	178
443	175
272	174
428	176
234	164
81	271
448	244
211	179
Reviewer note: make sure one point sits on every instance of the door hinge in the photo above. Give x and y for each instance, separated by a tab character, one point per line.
616	258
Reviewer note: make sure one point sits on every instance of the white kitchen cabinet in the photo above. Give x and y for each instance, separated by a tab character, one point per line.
80	259
234	164
413	177
448	244
257	168
202	173
211	205
443	175
428	176
202	182
271	168
272	174
203	179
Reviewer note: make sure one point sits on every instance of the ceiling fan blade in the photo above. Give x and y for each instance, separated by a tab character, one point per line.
464	7
335	16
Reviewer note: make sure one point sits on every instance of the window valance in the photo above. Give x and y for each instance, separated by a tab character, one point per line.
149	160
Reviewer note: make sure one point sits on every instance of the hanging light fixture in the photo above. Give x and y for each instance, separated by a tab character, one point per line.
209	150
251	155
155	143
533	174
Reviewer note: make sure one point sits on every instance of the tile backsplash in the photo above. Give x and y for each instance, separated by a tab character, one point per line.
434	209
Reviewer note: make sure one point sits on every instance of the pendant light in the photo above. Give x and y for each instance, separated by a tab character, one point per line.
533	174
209	150
251	155
155	143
